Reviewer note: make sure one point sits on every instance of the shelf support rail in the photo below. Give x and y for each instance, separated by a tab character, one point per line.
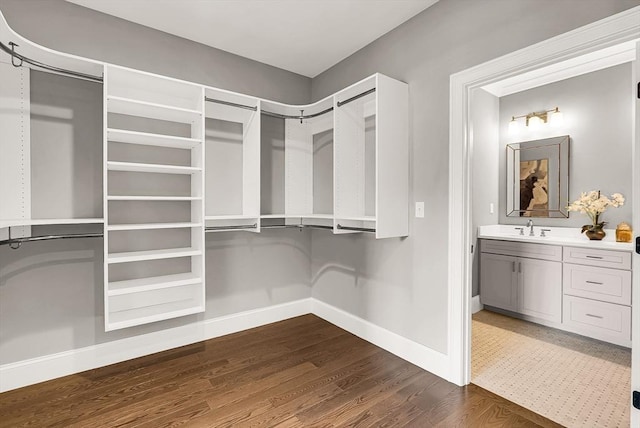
236	227
357	229
355	97
12	51
301	116
15	243
229	103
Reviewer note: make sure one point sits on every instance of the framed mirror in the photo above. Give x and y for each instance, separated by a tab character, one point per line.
538	178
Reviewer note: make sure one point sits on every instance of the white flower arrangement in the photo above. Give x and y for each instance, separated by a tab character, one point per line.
593	204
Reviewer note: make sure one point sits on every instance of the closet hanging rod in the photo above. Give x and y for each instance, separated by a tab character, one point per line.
237	227
300	116
229	103
12	241
15	55
357	229
296	226
355	97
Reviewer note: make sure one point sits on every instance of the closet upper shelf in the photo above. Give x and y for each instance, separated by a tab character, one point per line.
49	221
148	139
149	110
148	167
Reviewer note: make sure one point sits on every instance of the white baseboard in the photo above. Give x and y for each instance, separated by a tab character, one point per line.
411	351
476	306
28	372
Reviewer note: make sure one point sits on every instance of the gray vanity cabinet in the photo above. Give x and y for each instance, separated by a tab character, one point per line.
522	278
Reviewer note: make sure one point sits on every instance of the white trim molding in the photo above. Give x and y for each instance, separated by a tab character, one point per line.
29	372
603	34
420	355
476	306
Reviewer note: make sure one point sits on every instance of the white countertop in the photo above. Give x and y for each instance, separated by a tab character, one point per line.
567	236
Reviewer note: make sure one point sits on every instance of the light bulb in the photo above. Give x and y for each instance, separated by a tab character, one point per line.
514	126
556	118
535	122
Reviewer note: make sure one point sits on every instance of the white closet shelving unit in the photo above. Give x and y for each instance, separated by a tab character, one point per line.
308	162
179	158
232	161
153	198
372	157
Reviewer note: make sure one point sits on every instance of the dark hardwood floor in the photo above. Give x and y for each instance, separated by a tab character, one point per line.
302	372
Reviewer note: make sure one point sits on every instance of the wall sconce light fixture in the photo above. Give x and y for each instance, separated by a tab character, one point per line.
536	119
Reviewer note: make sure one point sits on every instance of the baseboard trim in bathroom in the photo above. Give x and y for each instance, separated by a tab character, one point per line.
476	306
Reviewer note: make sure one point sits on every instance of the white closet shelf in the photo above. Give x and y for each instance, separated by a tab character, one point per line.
149	167
319	216
148	314
147	139
130	286
153	198
136	256
49	221
230	217
132	107
148	226
364	218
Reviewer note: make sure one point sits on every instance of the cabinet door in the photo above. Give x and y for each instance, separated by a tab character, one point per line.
540	289
498	281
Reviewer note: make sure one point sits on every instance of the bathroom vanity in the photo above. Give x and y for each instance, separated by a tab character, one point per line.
561	280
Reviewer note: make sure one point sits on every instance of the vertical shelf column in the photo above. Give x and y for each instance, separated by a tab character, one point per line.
153	206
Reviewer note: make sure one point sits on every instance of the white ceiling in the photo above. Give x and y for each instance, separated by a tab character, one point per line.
303	36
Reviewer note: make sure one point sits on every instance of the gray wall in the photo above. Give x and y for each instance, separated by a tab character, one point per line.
51	293
398	284
485	169
73	29
597	109
402	284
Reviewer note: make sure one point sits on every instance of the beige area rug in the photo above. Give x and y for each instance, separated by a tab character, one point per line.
570	379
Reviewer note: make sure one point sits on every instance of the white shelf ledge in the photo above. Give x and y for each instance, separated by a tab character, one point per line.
118	288
49	221
230	217
364	218
138	108
136	256
148	314
149	167
148	226
153	198
148	139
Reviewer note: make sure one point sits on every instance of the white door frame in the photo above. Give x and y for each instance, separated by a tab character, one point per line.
611	31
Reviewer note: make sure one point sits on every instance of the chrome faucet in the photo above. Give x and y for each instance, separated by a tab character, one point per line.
530	226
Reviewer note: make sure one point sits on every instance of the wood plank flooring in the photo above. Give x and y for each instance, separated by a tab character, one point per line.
302	372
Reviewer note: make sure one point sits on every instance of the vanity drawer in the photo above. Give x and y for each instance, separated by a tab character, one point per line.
602	258
522	249
608	285
600	320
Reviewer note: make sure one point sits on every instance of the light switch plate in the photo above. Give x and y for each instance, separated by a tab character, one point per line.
419	209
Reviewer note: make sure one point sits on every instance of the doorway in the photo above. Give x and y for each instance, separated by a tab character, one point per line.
562	53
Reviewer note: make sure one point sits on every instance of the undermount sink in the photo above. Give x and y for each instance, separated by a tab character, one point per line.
552	235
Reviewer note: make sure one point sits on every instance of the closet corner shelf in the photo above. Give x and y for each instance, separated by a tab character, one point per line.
132	107
148	167
148	139
136	256
149	226
365	218
301	216
230	217
49	221
153	198
131	286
